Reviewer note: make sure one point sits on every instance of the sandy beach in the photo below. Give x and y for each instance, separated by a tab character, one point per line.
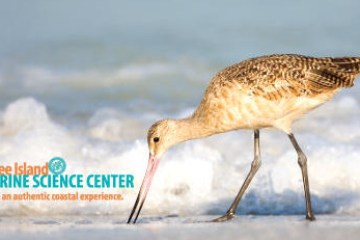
327	227
83	81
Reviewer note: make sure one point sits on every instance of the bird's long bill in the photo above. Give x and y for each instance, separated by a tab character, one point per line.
150	171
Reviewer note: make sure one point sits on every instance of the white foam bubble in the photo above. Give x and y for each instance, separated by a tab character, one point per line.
112	125
24	114
30	135
196	177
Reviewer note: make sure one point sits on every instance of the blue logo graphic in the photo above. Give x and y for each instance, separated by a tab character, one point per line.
57	165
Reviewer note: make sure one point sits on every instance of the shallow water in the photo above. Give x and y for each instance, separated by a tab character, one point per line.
86	85
269	227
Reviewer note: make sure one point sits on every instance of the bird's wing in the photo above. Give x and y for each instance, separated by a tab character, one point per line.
286	76
320	80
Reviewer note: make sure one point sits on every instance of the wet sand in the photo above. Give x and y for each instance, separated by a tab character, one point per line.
243	227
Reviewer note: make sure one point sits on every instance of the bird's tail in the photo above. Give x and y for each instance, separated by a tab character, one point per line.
349	67
348	64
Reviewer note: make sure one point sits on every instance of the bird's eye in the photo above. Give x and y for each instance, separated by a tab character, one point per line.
156	139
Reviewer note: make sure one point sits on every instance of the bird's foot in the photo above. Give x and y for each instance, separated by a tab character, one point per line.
310	217
228	216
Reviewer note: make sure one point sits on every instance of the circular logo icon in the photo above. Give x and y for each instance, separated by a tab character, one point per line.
57	165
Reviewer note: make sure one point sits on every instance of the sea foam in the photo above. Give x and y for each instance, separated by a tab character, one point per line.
196	177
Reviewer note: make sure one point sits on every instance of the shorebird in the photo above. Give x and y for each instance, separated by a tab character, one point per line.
268	91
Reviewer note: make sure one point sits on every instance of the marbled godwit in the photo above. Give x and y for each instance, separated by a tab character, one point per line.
268	91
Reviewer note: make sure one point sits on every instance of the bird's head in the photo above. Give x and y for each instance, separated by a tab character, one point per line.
161	136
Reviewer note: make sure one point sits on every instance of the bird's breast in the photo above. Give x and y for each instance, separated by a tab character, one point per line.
235	110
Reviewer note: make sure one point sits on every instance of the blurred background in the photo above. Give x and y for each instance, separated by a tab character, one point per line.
85	79
79	55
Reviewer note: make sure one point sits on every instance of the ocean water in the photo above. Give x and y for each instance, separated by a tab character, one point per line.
85	82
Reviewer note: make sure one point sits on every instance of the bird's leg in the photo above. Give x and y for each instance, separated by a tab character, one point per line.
255	165
303	165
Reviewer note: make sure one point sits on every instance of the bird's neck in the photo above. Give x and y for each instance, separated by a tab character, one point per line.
191	128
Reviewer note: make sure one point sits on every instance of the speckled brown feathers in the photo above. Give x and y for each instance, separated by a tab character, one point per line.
279	76
270	91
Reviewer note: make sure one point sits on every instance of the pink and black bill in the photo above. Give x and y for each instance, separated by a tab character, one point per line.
144	189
